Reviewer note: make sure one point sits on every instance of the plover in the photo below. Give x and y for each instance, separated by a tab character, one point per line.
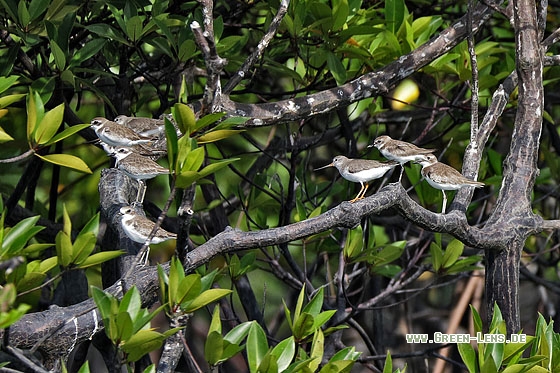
400	151
443	177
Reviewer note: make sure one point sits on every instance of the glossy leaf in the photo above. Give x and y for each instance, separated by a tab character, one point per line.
63	249
257	346
17	236
83	247
35	112
317	348
66	133
49	125
206	298
452	253
99	258
217	135
184	117
66	160
284	353
468	356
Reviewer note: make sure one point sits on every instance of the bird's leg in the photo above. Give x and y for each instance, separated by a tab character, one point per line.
141	192
402	171
143	257
444	202
362	192
359	193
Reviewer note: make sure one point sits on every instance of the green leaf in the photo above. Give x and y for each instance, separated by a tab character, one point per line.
108	32
238	333
172	144
468	355
99	258
134	28
66	160
452	253
303	326
186	290
343	366
90	49
213	348
206	298
437	256
103	302
340	12
66	222
213	167
63	249
207	120
322	318
49	125
477	321
10	99
316	304
83	247
59	56
336	68
7	81
48	264
192	160
216	135
284	352
256	346
184	117
66	133
394	14
317	348
17	236
35	112
23	14
3	135
388	367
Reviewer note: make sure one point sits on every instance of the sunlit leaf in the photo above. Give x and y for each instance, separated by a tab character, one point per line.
66	160
49	125
217	136
99	258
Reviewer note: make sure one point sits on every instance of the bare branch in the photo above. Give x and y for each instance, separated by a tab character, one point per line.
371	84
257	54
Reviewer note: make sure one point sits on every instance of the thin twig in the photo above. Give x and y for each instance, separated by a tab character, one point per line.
258	52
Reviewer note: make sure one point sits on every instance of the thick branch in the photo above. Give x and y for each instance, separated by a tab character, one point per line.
371	84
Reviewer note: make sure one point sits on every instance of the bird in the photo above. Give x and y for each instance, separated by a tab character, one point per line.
143	126
400	151
137	167
145	151
114	134
360	171
443	177
138	227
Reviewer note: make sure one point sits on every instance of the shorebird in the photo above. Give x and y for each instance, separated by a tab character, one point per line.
443	177
138	227
143	126
138	167
114	134
360	171
400	151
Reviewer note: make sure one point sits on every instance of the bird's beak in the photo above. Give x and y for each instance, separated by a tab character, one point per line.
320	168
419	158
370	146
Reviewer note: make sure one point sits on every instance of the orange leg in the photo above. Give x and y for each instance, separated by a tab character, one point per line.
361	194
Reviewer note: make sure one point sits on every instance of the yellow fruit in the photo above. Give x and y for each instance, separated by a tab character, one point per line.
406	93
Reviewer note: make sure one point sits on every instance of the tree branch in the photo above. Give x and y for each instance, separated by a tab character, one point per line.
371	84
